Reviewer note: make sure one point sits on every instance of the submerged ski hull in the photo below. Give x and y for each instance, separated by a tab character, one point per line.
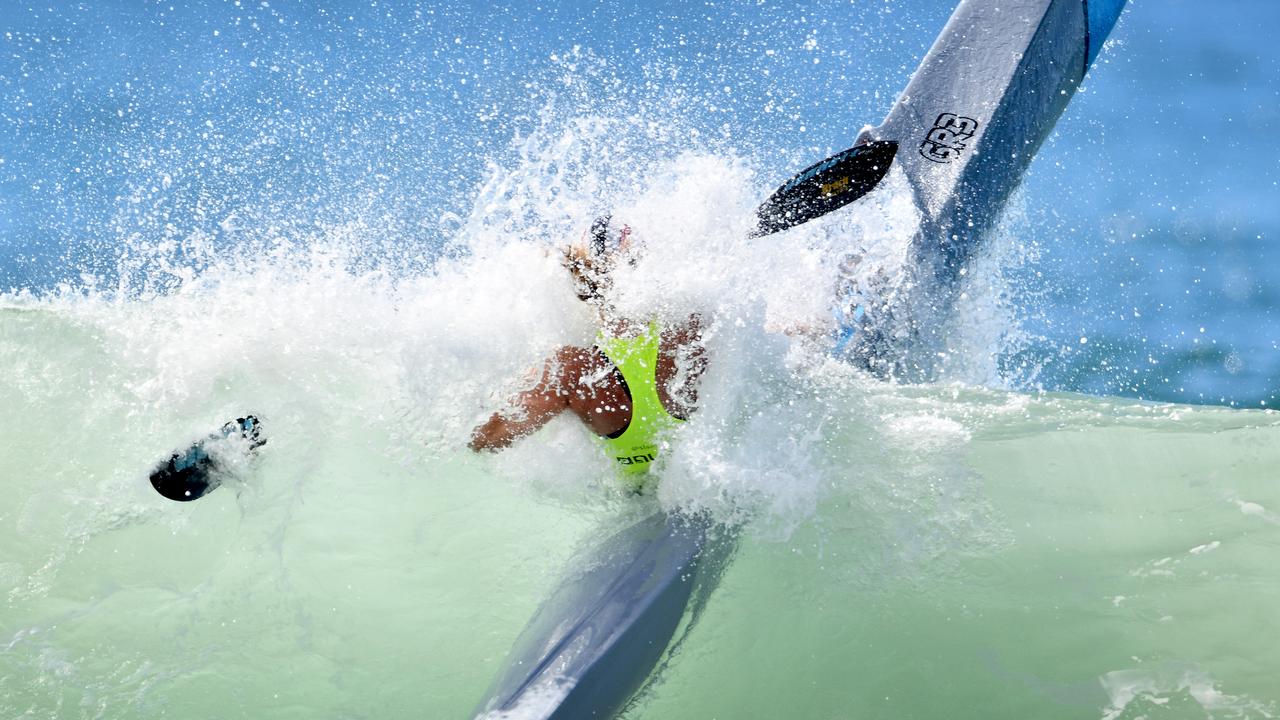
596	640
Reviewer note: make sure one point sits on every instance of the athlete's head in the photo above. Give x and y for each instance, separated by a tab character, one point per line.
592	258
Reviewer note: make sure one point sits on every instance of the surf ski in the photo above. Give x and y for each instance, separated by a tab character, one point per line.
963	132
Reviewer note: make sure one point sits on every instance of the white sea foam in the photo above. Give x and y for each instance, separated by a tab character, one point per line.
1149	689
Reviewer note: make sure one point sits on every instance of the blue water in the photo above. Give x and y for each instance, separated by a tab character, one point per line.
1154	206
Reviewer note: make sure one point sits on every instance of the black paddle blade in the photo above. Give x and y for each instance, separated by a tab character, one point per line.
193	473
826	186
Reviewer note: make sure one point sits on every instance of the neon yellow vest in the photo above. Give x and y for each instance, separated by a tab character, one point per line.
636	449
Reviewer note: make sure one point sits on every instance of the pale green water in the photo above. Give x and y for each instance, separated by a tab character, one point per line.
916	552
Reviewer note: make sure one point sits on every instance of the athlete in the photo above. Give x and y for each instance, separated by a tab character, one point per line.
637	383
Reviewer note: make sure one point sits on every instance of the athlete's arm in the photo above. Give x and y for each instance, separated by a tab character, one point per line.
530	410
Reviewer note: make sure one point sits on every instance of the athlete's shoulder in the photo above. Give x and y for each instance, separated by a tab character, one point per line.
683	333
568	354
573	362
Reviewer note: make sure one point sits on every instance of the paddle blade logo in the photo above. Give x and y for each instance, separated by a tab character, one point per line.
834	188
948	137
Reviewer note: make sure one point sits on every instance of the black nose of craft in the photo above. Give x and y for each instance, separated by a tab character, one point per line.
196	471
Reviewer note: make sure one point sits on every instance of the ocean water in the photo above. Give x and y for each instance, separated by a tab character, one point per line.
344	220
